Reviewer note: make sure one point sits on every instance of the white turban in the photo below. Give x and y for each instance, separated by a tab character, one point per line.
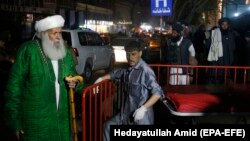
49	23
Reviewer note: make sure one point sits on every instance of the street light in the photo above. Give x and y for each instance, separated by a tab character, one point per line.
236	14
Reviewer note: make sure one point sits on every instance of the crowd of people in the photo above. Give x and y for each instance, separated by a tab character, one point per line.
221	45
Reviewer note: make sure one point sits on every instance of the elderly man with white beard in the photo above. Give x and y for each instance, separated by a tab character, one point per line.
36	96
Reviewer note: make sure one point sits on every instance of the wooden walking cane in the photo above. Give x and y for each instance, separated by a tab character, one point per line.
72	104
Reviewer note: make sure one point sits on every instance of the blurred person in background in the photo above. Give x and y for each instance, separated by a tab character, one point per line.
199	42
180	51
36	96
222	44
222	48
141	89
187	31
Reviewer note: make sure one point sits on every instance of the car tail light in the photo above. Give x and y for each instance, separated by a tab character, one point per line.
76	51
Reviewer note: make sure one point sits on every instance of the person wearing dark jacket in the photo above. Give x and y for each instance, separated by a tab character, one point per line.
222	48
180	51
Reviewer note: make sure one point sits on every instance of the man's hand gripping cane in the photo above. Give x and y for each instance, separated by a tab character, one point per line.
72	82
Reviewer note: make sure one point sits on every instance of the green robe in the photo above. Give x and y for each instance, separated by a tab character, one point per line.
31	99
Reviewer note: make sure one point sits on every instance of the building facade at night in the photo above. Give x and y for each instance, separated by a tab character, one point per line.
99	15
19	17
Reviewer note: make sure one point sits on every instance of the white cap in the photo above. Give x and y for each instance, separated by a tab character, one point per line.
49	23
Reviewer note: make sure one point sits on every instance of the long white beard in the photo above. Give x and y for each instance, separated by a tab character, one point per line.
54	51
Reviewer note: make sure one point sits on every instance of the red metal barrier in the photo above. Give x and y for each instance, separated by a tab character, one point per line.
236	74
103	100
99	102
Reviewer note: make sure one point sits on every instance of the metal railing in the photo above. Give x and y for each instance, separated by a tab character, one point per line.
103	100
234	74
99	102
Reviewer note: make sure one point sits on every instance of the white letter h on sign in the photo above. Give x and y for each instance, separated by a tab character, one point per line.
158	1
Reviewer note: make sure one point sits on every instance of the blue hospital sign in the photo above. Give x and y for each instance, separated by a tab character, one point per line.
161	7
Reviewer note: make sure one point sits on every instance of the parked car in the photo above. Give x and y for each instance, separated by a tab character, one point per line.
91	51
120	54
